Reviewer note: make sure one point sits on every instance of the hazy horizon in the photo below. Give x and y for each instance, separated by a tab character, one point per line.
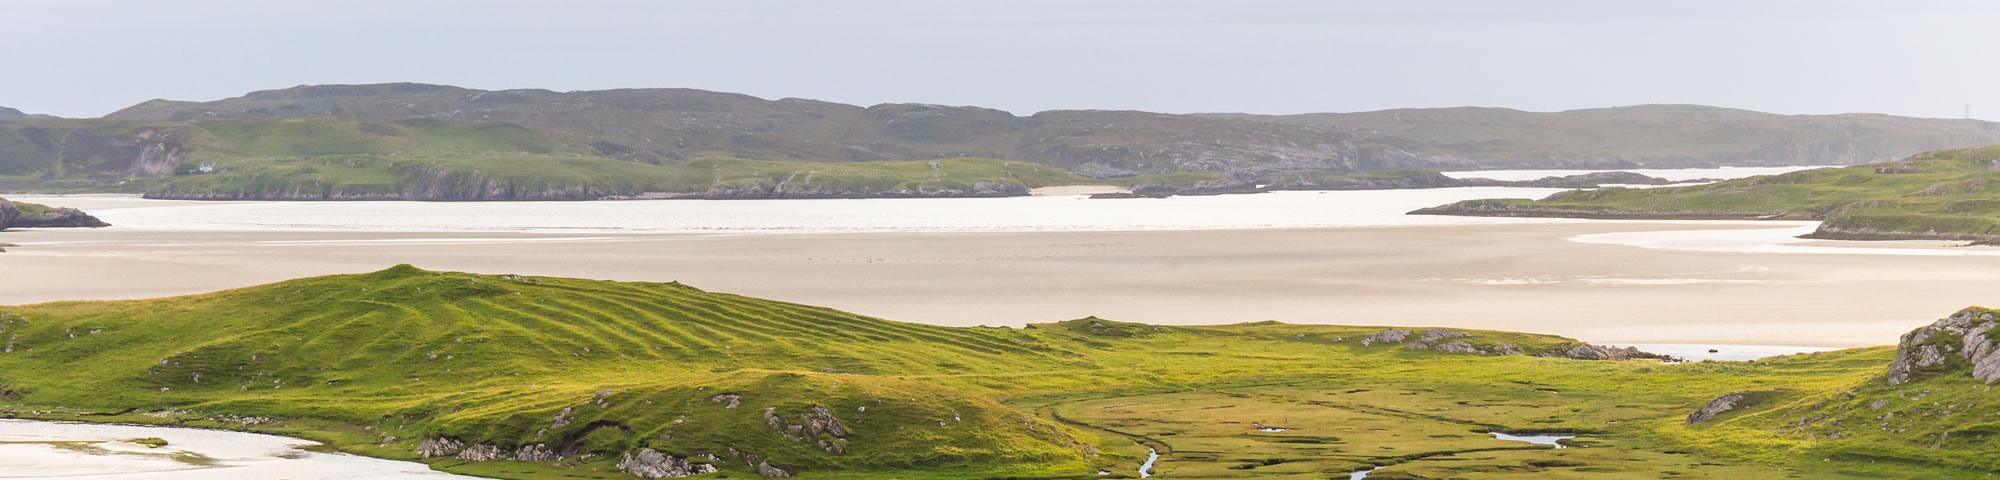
1268	57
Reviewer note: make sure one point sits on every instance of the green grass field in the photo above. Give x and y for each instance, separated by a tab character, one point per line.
1940	194
375	363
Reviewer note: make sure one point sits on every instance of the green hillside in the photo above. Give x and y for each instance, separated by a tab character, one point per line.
420	159
1942	194
530	377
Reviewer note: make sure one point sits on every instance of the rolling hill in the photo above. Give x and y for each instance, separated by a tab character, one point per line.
437	142
532	377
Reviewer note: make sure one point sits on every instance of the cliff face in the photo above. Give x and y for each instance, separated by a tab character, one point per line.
7	213
91	148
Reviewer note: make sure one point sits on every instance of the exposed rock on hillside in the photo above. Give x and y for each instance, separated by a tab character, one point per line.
1581	351
1393	335
1963	341
649	463
439	447
1715	407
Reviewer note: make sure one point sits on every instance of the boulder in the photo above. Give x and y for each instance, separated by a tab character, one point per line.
650	463
1715	407
1393	335
765	469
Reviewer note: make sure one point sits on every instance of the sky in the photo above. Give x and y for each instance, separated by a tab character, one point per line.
86	58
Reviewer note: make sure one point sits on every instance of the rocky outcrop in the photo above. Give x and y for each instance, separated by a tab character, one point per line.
814	422
1581	351
439	447
484	452
649	463
536	453
38	216
1715	407
1393	335
1964	341
1429	340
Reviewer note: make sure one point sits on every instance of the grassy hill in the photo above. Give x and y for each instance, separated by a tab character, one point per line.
422	159
1942	194
1624	137
522	370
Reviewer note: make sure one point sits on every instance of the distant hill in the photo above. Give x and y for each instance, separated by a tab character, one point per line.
664	126
9	113
1623	137
505	145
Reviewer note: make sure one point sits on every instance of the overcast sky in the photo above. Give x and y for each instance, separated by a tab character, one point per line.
84	58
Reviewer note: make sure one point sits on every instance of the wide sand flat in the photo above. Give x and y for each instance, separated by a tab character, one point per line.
1509	277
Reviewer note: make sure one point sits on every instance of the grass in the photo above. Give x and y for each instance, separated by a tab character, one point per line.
422	159
1940	194
373	363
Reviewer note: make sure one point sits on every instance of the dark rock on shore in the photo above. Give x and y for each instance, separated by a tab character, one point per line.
30	215
1489	208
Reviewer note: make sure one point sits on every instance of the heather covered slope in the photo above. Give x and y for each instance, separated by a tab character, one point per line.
530	377
1943	194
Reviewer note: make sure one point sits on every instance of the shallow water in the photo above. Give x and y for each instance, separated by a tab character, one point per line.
1361	474
34	449
1544	439
1146	470
1038	213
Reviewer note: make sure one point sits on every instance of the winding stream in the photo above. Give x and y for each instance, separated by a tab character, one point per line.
1146	471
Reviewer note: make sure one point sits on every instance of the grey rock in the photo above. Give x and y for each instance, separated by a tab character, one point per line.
484	452
1392	335
1715	407
1435	334
1964	335
439	447
729	400
649	463
536	453
1580	351
765	469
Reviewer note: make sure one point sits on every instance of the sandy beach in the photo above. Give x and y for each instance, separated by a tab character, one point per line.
1510	277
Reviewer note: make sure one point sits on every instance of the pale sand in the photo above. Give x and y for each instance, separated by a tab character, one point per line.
1506	277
